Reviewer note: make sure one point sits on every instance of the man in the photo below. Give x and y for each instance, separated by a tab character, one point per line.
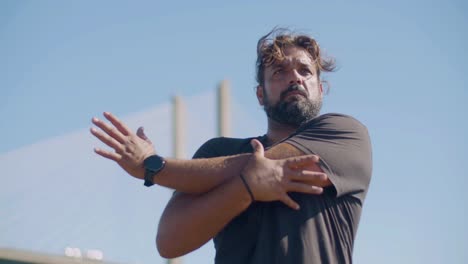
297	202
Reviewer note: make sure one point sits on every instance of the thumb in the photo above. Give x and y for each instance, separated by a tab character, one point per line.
141	134
258	147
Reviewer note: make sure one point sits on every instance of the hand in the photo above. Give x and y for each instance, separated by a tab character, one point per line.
271	180
130	150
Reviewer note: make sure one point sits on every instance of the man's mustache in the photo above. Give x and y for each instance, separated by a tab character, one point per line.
293	88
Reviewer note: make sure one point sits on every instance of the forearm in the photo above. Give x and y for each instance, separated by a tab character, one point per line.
189	221
200	175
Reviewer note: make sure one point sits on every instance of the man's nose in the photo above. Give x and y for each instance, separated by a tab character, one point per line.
295	78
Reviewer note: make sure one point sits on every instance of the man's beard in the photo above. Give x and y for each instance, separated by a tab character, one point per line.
295	112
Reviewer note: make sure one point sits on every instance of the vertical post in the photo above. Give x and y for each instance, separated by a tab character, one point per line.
178	132
178	128
224	121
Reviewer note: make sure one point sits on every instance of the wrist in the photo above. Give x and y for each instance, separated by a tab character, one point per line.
242	194
247	187
152	166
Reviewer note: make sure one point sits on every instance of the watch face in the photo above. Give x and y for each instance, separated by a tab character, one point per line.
154	163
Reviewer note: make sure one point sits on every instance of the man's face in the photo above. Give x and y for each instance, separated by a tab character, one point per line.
292	91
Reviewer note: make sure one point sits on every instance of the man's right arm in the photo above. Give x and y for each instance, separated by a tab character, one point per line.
189	221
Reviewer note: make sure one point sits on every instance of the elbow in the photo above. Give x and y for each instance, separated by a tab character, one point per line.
166	247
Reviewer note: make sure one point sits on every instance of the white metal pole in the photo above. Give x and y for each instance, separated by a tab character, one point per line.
224	114
178	133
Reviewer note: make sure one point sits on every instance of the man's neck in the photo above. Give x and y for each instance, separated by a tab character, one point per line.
277	131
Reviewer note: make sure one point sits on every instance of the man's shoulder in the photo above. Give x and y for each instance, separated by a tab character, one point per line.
224	146
227	140
332	128
338	117
335	121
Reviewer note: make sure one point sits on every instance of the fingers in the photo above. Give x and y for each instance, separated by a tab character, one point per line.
303	188
301	161
118	124
289	202
106	139
258	147
107	154
307	176
110	130
314	178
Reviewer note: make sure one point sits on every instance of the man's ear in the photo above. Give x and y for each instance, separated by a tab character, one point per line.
260	94
321	88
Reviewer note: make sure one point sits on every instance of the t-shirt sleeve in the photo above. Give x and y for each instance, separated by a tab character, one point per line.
344	148
207	150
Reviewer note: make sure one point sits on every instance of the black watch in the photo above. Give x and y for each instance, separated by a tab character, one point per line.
152	164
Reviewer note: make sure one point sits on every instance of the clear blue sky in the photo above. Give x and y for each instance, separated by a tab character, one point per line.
402	72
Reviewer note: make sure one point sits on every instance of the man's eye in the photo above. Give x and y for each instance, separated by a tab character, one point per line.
278	71
306	71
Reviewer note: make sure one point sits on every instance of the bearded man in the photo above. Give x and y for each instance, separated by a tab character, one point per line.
298	201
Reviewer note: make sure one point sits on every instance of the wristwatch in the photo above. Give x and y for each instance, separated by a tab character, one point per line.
152	164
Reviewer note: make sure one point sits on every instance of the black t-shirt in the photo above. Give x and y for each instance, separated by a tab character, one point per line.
323	230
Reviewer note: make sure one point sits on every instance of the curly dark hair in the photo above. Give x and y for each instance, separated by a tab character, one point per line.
270	49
